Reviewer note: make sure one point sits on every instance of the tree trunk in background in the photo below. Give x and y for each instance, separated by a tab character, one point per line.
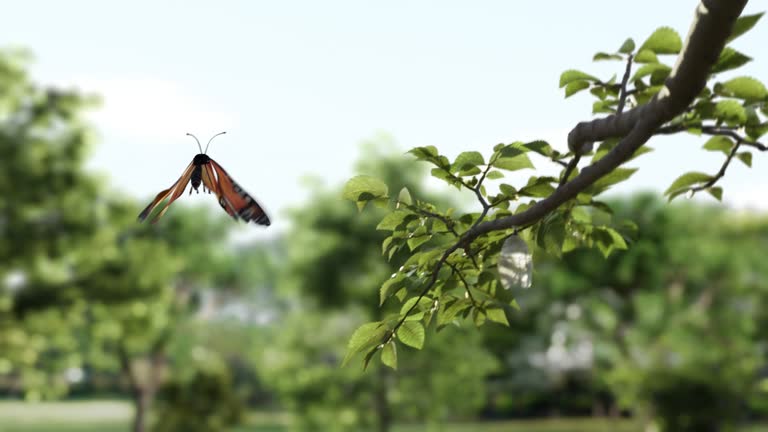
142	390
383	412
142	399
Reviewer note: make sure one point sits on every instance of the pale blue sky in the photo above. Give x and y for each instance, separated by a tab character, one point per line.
298	85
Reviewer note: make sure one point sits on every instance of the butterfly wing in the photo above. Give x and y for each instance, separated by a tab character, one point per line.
235	201
173	192
210	182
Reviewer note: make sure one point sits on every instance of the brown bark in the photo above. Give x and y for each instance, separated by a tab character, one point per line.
142	391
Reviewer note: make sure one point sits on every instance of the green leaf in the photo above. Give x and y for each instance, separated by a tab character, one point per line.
757	131
604	147
368	356
412	334
446	176
649	69
574	87
572	75
494	175
515	264
641	151
646	56
685	180
606	56
404	197
393	220
418	238
429	154
551	235
716	192
366	336
507	190
730	59
664	40
424	303
745	157
719	143
497	315
391	284
446	315
746	88
424	153
389	355
465	161
743	24
606	106
608	240
580	214
731	112
478	317
363	188
627	47
616	176
538	187
513	163
541	147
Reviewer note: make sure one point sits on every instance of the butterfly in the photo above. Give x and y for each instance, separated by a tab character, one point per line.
232	198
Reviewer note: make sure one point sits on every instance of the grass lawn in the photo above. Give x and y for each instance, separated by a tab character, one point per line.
114	416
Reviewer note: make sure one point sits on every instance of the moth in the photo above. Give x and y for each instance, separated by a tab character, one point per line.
232	198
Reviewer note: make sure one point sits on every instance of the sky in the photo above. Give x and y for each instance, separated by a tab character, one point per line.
298	85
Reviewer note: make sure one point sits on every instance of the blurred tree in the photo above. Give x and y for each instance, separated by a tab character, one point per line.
674	323
82	283
145	287
51	220
334	265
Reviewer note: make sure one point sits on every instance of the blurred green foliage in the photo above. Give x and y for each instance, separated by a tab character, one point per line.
84	286
674	323
205	402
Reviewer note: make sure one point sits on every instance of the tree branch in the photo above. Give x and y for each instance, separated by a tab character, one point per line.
706	38
711	27
715	130
619	109
720	173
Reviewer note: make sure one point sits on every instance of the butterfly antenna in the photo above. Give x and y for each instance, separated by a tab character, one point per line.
209	141
198	142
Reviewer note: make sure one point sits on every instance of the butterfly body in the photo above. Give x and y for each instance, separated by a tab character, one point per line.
204	170
197	172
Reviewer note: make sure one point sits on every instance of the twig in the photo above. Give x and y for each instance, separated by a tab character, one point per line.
559	162
715	130
476	188
463	281
720	173
430	284
623	88
448	223
569	169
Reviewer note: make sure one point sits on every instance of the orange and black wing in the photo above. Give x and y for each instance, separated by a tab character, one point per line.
173	192
232	198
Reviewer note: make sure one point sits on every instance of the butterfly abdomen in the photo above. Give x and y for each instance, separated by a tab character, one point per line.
197	173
